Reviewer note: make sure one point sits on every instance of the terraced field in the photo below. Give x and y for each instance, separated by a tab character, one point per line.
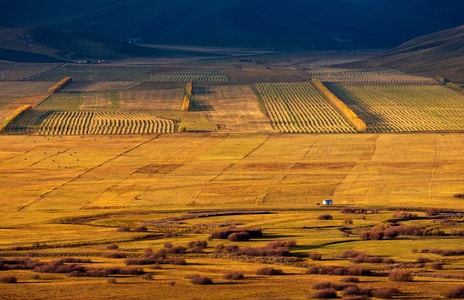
404	108
299	108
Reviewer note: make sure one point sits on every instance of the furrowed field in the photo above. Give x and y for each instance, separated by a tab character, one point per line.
111	189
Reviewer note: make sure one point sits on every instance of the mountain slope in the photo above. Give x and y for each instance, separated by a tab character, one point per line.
440	53
314	24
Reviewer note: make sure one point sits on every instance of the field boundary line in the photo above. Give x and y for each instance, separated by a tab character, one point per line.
41	197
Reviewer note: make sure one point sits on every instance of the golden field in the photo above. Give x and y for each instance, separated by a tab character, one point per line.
98	204
66	196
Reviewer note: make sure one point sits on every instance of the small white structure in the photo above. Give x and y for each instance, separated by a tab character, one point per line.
327	202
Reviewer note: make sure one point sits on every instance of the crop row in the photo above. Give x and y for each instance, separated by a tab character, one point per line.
24	71
404	108
369	76
188	77
85	122
299	108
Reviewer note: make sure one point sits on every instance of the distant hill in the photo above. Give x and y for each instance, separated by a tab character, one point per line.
440	53
32	44
310	24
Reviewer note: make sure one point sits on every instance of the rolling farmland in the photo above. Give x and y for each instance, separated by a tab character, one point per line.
299	108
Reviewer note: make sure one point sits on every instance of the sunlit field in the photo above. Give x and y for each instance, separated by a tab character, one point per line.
109	189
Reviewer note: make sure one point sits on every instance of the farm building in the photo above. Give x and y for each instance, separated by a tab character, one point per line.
327	202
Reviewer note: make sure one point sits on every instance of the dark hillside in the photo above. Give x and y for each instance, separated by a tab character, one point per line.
440	53
313	24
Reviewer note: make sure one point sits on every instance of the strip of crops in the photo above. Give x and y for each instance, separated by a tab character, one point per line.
298	107
404	108
98	123
24	71
185	77
368	76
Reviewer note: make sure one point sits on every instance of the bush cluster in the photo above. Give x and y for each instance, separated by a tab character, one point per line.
275	249
325	217
457	292
349	290
339	271
361	257
386	293
404	215
8	279
358	211
269	271
151	257
197	246
391	232
236	275
444	252
201	280
400	276
236	234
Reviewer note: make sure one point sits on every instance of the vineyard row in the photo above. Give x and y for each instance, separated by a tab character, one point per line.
299	108
99	123
188	77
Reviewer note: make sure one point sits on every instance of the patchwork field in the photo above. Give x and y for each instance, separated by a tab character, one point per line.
109	189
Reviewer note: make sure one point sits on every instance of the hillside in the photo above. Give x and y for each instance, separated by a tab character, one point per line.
313	24
440	53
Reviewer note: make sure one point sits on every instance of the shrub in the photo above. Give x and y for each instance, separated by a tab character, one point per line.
403	215
432	212
351	279
239	236
436	266
348	221
141	228
114	255
8	279
112	280
201	280
315	256
354	290
325	294
224	233
325	217
147	277
197	246
322	285
236	275
386	293
123	229
400	276
457	292
112	247
269	271
177	250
